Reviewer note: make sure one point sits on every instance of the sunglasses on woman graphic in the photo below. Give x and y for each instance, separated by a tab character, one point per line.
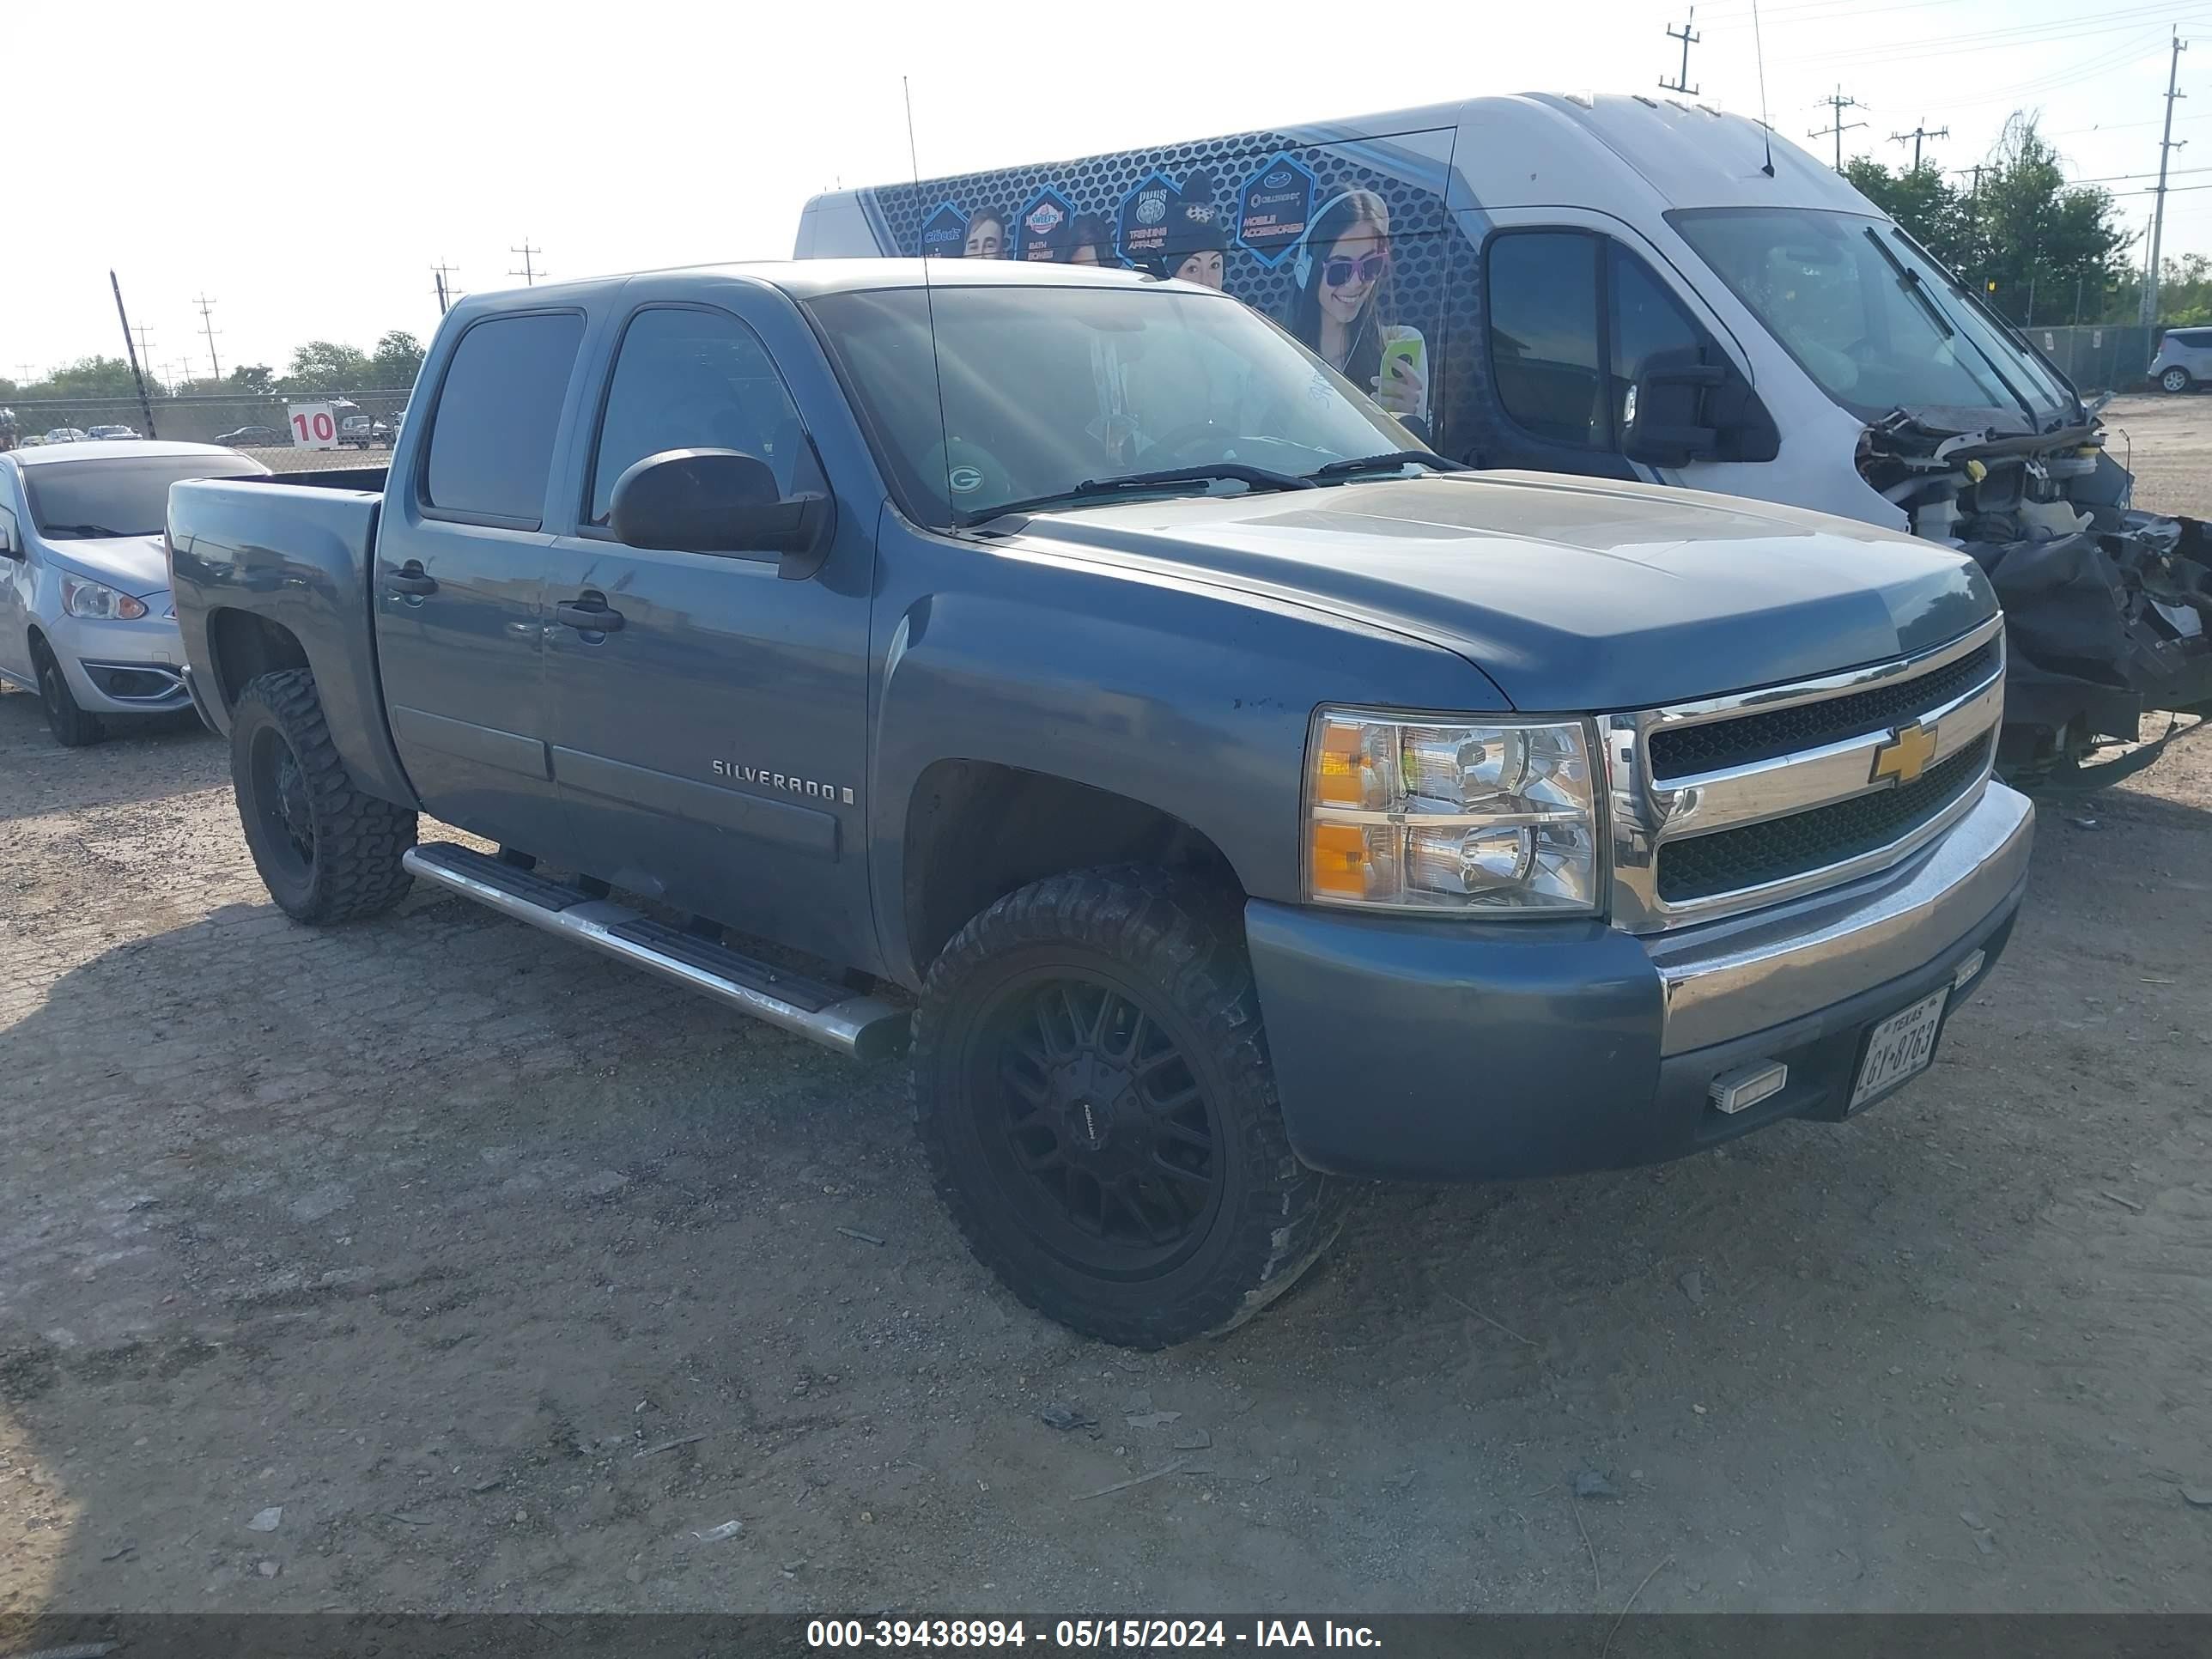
1337	272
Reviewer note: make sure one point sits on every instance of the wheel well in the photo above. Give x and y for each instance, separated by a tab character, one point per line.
976	831
245	646
39	643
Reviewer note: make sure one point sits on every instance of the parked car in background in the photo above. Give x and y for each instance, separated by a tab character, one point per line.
63	435
253	437
111	431
85	616
2183	360
361	431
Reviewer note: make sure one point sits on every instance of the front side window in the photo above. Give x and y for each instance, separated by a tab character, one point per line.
1020	393
91	499
696	380
1543	309
491	438
1647	321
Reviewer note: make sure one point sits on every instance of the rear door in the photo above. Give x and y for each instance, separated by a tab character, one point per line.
709	737
15	577
459	581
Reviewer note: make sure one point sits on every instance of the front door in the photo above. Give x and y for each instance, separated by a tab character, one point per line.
460	584
709	719
15	576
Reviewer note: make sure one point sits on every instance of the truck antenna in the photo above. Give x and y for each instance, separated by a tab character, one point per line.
1759	46
928	300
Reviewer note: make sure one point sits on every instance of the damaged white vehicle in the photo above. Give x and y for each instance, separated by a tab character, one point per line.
1639	287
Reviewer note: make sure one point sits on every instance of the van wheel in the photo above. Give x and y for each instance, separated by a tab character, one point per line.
327	852
73	728
1093	1091
2174	379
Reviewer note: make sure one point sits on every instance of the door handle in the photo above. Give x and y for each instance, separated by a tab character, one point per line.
409	579
589	615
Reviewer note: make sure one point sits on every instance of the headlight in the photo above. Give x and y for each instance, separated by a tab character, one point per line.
1496	818
97	602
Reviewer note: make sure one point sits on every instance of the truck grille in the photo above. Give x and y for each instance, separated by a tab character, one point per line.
1737	802
1684	751
1758	853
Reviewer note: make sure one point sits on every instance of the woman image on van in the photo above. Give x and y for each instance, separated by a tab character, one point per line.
1090	242
1342	277
1197	246
987	236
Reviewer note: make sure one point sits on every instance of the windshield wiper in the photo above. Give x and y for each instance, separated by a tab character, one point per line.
1909	280
1257	478
1390	463
71	532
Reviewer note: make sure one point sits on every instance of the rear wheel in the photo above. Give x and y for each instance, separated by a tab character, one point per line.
2175	378
1093	1091
73	728
327	852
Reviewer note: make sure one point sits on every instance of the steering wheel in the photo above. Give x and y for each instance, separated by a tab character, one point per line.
1184	437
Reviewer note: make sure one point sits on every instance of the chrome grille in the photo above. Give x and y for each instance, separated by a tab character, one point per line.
1735	802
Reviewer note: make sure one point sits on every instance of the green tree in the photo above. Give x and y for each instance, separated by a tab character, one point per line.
395	361
325	366
1918	197
2042	245
255	379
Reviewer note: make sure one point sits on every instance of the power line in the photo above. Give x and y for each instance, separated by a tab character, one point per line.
529	273
1837	103
207	321
1924	131
1998	39
1688	38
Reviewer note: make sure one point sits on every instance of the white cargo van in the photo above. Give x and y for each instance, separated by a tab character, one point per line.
1631	287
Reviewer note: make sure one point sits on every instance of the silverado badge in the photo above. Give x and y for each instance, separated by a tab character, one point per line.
1906	755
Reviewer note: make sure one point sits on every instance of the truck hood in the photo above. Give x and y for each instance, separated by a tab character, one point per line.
138	565
1569	594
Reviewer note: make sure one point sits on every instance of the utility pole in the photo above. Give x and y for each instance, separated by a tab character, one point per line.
2166	146
207	322
1924	131
1837	104
145	348
529	273
439	272
130	348
1681	82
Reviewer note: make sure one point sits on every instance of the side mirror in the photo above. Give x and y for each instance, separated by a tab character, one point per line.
721	500
8	548
1684	408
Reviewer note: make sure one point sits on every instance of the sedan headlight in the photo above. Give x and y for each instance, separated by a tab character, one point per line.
1497	818
97	602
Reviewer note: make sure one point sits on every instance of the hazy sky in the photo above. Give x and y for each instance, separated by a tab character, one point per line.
305	165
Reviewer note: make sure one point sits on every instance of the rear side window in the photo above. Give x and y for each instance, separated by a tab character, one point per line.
1543	334
491	436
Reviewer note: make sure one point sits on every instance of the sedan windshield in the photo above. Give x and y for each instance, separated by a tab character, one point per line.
1036	392
1875	322
95	497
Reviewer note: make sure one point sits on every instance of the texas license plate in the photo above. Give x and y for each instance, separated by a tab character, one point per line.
1900	1047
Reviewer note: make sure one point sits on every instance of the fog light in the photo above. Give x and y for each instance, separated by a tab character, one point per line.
1967	970
1746	1085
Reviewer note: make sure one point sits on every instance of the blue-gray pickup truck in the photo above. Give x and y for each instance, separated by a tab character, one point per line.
1065	675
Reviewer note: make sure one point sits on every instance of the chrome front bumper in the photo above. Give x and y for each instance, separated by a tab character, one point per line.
1728	979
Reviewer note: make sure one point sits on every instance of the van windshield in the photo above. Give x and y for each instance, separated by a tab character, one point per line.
1875	322
1044	389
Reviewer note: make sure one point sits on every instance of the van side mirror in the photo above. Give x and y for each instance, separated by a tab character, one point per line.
8	548
721	500
1692	404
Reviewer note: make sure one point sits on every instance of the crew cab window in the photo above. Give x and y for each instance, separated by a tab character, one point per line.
491	433
687	378
1543	334
1561	303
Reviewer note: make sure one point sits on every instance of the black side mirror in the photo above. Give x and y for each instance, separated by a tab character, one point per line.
721	500
1692	405
8	548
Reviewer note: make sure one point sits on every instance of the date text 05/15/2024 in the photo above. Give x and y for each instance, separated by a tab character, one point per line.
1083	1634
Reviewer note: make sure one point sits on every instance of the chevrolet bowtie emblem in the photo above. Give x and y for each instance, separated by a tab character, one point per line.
1906	755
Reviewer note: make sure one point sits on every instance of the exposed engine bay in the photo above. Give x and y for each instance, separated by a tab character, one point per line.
2108	610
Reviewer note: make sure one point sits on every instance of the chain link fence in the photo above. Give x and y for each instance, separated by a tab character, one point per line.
2100	357
280	433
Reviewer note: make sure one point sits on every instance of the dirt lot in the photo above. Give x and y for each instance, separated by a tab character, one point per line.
505	1274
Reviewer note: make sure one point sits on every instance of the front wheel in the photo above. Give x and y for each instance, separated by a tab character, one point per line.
2174	379
327	852
73	728
1094	1095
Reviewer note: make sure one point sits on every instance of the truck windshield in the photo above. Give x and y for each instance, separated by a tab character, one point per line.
1876	321
86	500
1044	389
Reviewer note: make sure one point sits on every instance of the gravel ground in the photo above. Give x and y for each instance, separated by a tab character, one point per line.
426	1264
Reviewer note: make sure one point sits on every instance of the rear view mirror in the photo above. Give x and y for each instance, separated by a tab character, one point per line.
1684	408
720	501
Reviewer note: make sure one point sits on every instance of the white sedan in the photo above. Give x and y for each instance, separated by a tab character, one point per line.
85	618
